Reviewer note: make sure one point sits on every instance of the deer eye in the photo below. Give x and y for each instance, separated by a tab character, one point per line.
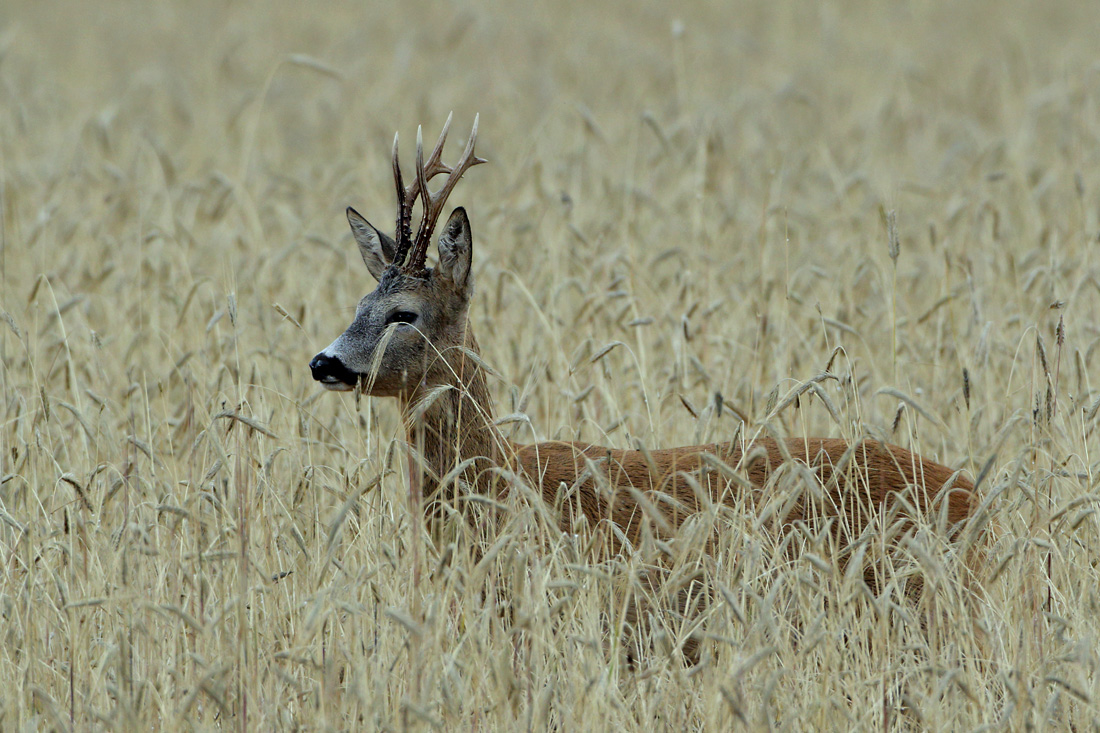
401	317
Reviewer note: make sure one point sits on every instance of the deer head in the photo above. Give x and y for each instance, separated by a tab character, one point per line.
399	339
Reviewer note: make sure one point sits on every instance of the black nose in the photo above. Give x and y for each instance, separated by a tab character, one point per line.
329	370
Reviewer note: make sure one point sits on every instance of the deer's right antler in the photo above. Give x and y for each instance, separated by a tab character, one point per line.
410	255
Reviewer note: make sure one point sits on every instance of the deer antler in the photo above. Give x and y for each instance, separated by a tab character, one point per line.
432	203
406	197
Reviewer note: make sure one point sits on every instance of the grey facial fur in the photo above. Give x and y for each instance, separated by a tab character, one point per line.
417	317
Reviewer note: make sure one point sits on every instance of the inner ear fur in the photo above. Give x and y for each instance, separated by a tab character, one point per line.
376	249
456	250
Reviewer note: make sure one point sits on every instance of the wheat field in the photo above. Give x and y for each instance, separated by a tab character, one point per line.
843	219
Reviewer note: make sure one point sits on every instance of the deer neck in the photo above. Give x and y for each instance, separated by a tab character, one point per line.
451	423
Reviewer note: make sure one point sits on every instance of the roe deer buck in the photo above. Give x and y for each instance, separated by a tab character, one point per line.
411	339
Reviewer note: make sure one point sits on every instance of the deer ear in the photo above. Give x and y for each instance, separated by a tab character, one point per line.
456	250
376	248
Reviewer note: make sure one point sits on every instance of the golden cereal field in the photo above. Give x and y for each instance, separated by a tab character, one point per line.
837	218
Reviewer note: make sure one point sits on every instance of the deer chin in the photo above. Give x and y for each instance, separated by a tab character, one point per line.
335	385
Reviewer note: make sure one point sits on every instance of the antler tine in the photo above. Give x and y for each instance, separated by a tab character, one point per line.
403	233
406	197
435	162
421	175
433	203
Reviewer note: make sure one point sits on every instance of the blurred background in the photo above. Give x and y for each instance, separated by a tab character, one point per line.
708	190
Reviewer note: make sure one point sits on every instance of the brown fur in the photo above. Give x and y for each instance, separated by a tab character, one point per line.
876	474
604	484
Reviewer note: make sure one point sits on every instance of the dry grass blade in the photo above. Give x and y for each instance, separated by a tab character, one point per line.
195	535
309	62
920	409
237	417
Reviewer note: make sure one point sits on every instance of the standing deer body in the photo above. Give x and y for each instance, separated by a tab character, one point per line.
411	339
